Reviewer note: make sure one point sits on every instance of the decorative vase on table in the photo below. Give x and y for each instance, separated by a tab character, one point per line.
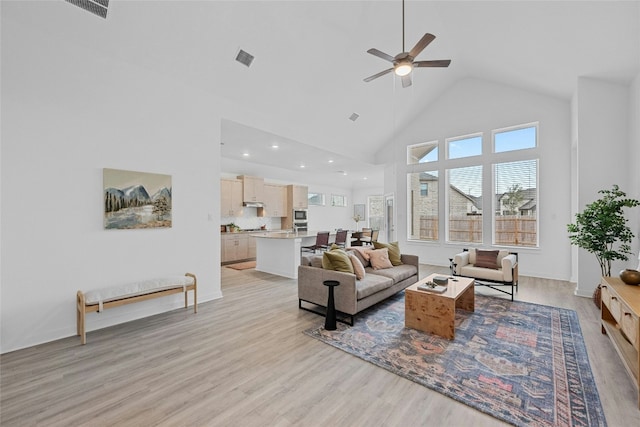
630	277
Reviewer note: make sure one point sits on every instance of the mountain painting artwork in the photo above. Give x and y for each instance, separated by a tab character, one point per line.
136	199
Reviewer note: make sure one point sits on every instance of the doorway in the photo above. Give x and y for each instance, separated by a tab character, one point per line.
390	218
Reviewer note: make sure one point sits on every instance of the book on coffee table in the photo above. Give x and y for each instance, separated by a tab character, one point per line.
438	289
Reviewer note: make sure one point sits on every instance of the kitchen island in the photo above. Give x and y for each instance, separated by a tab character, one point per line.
279	252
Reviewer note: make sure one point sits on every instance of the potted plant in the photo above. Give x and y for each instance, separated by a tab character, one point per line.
601	229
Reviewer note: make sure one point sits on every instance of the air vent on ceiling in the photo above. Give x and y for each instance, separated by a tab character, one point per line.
354	117
97	7
244	58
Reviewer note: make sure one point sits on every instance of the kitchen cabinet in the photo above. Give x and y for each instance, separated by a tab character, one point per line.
275	201
297	197
230	197
237	247
252	188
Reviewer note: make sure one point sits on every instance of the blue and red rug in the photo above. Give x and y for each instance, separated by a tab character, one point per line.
522	363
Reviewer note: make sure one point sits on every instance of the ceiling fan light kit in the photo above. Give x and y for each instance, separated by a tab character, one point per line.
403	63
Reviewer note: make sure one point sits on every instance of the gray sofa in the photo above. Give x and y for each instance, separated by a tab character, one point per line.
352	296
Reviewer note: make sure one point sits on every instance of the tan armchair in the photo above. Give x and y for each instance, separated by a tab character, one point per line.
490	268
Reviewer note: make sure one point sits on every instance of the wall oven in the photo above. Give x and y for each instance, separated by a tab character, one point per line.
300	215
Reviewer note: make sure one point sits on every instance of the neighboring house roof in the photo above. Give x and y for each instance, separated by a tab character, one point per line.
426	176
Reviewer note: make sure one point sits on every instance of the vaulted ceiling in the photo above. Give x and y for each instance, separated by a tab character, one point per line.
310	57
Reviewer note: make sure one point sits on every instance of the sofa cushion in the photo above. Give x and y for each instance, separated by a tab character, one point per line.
398	273
315	261
394	251
371	284
487	259
358	268
482	273
338	260
380	259
362	253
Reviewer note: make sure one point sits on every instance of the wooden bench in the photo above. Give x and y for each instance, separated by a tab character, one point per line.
114	296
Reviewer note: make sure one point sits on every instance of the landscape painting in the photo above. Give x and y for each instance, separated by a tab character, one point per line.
136	199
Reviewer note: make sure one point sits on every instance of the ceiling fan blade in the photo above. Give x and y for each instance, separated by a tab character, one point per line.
380	74
422	43
406	80
436	63
375	52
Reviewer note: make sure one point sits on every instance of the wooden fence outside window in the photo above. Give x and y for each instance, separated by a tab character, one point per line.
511	230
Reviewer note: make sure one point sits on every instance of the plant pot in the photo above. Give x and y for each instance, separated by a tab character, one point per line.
630	277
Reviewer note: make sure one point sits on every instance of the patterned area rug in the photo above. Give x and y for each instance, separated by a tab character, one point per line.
523	363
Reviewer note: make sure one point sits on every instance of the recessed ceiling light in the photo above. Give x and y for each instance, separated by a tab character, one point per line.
274	146
331	161
245	154
302	166
365	178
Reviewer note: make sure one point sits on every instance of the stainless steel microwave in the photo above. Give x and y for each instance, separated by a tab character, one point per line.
300	215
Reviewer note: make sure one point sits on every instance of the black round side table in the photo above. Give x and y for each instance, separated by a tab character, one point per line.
330	320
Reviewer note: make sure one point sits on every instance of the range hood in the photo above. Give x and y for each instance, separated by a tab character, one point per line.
253	204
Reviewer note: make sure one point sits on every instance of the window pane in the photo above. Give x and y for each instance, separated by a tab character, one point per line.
376	212
316	199
338	200
422	153
516	216
517	139
423	211
465	204
465	147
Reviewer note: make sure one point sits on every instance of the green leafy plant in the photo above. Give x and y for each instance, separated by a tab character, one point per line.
602	228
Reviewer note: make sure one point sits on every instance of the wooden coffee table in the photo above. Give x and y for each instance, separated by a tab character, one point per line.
436	313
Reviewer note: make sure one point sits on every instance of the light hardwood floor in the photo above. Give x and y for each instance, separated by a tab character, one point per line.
244	361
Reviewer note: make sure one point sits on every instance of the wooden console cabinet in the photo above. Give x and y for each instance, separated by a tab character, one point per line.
620	313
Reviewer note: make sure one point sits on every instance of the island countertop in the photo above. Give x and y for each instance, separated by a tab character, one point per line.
287	234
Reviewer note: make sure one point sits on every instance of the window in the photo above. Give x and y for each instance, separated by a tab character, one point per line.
516	204
423	205
512	139
466	146
464	200
511	195
338	200
316	199
422	153
376	212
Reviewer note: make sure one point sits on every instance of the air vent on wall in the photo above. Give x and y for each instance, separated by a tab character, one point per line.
97	7
244	58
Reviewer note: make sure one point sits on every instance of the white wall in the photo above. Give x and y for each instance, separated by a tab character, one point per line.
602	148
633	159
473	105
68	112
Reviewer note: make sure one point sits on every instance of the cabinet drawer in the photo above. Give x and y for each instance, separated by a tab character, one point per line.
629	325
606	296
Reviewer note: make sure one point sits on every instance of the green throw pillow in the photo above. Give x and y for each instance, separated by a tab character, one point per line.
338	260
394	251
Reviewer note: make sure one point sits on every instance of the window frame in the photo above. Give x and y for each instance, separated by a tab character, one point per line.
447	142
494	132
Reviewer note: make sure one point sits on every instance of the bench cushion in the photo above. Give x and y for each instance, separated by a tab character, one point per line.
133	289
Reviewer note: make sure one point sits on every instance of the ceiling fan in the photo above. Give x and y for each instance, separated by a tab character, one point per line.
403	63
